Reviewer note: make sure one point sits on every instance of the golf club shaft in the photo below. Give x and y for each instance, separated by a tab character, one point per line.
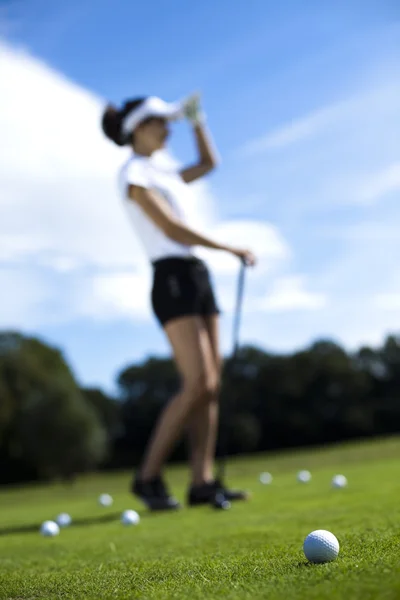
236	326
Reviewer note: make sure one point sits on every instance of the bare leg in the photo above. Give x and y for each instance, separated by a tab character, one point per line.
166	433
191	347
203	431
203	422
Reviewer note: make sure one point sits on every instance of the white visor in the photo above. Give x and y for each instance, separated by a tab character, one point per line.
151	107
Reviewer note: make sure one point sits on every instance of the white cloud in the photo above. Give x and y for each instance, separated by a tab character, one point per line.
336	173
115	295
294	131
362	185
360	283
389	301
290	294
367	106
342	154
67	250
379	184
22	294
264	239
62	224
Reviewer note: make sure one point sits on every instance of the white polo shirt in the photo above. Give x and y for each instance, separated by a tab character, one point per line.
152	173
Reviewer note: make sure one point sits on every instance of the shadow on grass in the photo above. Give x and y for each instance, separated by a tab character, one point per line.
305	564
34	528
109	518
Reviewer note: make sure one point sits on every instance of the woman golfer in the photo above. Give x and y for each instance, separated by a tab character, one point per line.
182	296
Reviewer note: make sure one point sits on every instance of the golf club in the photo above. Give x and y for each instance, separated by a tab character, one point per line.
220	500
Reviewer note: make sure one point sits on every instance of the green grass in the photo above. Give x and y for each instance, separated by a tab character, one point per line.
253	551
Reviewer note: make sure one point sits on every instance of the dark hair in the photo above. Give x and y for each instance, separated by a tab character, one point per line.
112	119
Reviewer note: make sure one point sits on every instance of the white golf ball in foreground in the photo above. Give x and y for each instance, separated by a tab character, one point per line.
105	500
265	478
303	476
130	517
339	481
321	546
63	520
49	529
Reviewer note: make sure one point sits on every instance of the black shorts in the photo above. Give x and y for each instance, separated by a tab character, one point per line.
182	287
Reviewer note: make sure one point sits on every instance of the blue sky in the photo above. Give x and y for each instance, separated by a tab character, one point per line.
302	101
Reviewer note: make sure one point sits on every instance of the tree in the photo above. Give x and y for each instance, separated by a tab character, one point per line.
45	420
61	434
144	390
108	410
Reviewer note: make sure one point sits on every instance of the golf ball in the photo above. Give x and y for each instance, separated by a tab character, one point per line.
321	546
303	476
220	502
105	500
265	478
339	481
63	520
130	517
49	529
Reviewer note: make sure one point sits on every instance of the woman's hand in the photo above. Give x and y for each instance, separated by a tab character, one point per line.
192	109
246	256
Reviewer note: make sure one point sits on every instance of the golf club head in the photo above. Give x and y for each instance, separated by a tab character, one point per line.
220	502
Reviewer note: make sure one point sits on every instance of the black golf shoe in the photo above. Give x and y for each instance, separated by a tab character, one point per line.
205	493
154	494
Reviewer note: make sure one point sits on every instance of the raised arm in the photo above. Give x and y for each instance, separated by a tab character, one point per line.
207	155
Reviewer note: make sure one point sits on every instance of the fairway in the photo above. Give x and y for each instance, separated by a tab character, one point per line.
253	551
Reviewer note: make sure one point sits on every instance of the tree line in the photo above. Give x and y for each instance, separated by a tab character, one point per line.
51	428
